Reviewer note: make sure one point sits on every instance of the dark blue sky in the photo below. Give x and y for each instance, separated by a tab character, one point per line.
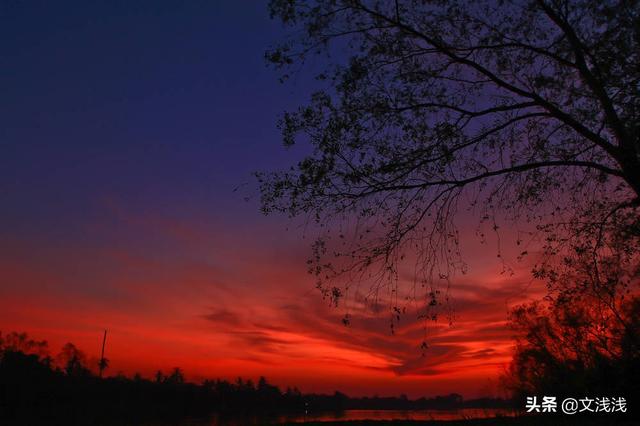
159	105
124	128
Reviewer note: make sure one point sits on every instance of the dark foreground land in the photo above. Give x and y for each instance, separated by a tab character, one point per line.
520	421
36	391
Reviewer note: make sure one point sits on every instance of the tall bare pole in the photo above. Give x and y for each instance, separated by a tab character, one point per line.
102	363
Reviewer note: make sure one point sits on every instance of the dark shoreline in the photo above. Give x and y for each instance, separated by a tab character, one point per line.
603	420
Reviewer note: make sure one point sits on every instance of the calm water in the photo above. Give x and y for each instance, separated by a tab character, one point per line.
467	413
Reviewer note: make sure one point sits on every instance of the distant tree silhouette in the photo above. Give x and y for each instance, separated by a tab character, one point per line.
103	364
176	377
73	361
32	391
522	110
20	342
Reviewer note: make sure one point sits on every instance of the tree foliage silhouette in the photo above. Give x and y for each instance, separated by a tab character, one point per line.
567	348
73	360
33	391
515	110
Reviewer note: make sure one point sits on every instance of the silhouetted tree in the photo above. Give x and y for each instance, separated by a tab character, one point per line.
73	361
268	394
176	377
159	377
32	392
20	342
584	338
103	364
529	109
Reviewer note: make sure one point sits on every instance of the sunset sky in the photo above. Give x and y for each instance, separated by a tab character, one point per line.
129	131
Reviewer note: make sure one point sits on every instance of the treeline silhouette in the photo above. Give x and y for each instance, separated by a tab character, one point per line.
574	347
37	386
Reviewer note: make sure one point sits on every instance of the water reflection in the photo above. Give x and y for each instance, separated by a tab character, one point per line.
467	413
349	415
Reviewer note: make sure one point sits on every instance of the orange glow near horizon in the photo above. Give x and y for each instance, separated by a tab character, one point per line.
223	305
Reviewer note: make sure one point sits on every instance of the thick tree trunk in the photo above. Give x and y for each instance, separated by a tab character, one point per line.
631	170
